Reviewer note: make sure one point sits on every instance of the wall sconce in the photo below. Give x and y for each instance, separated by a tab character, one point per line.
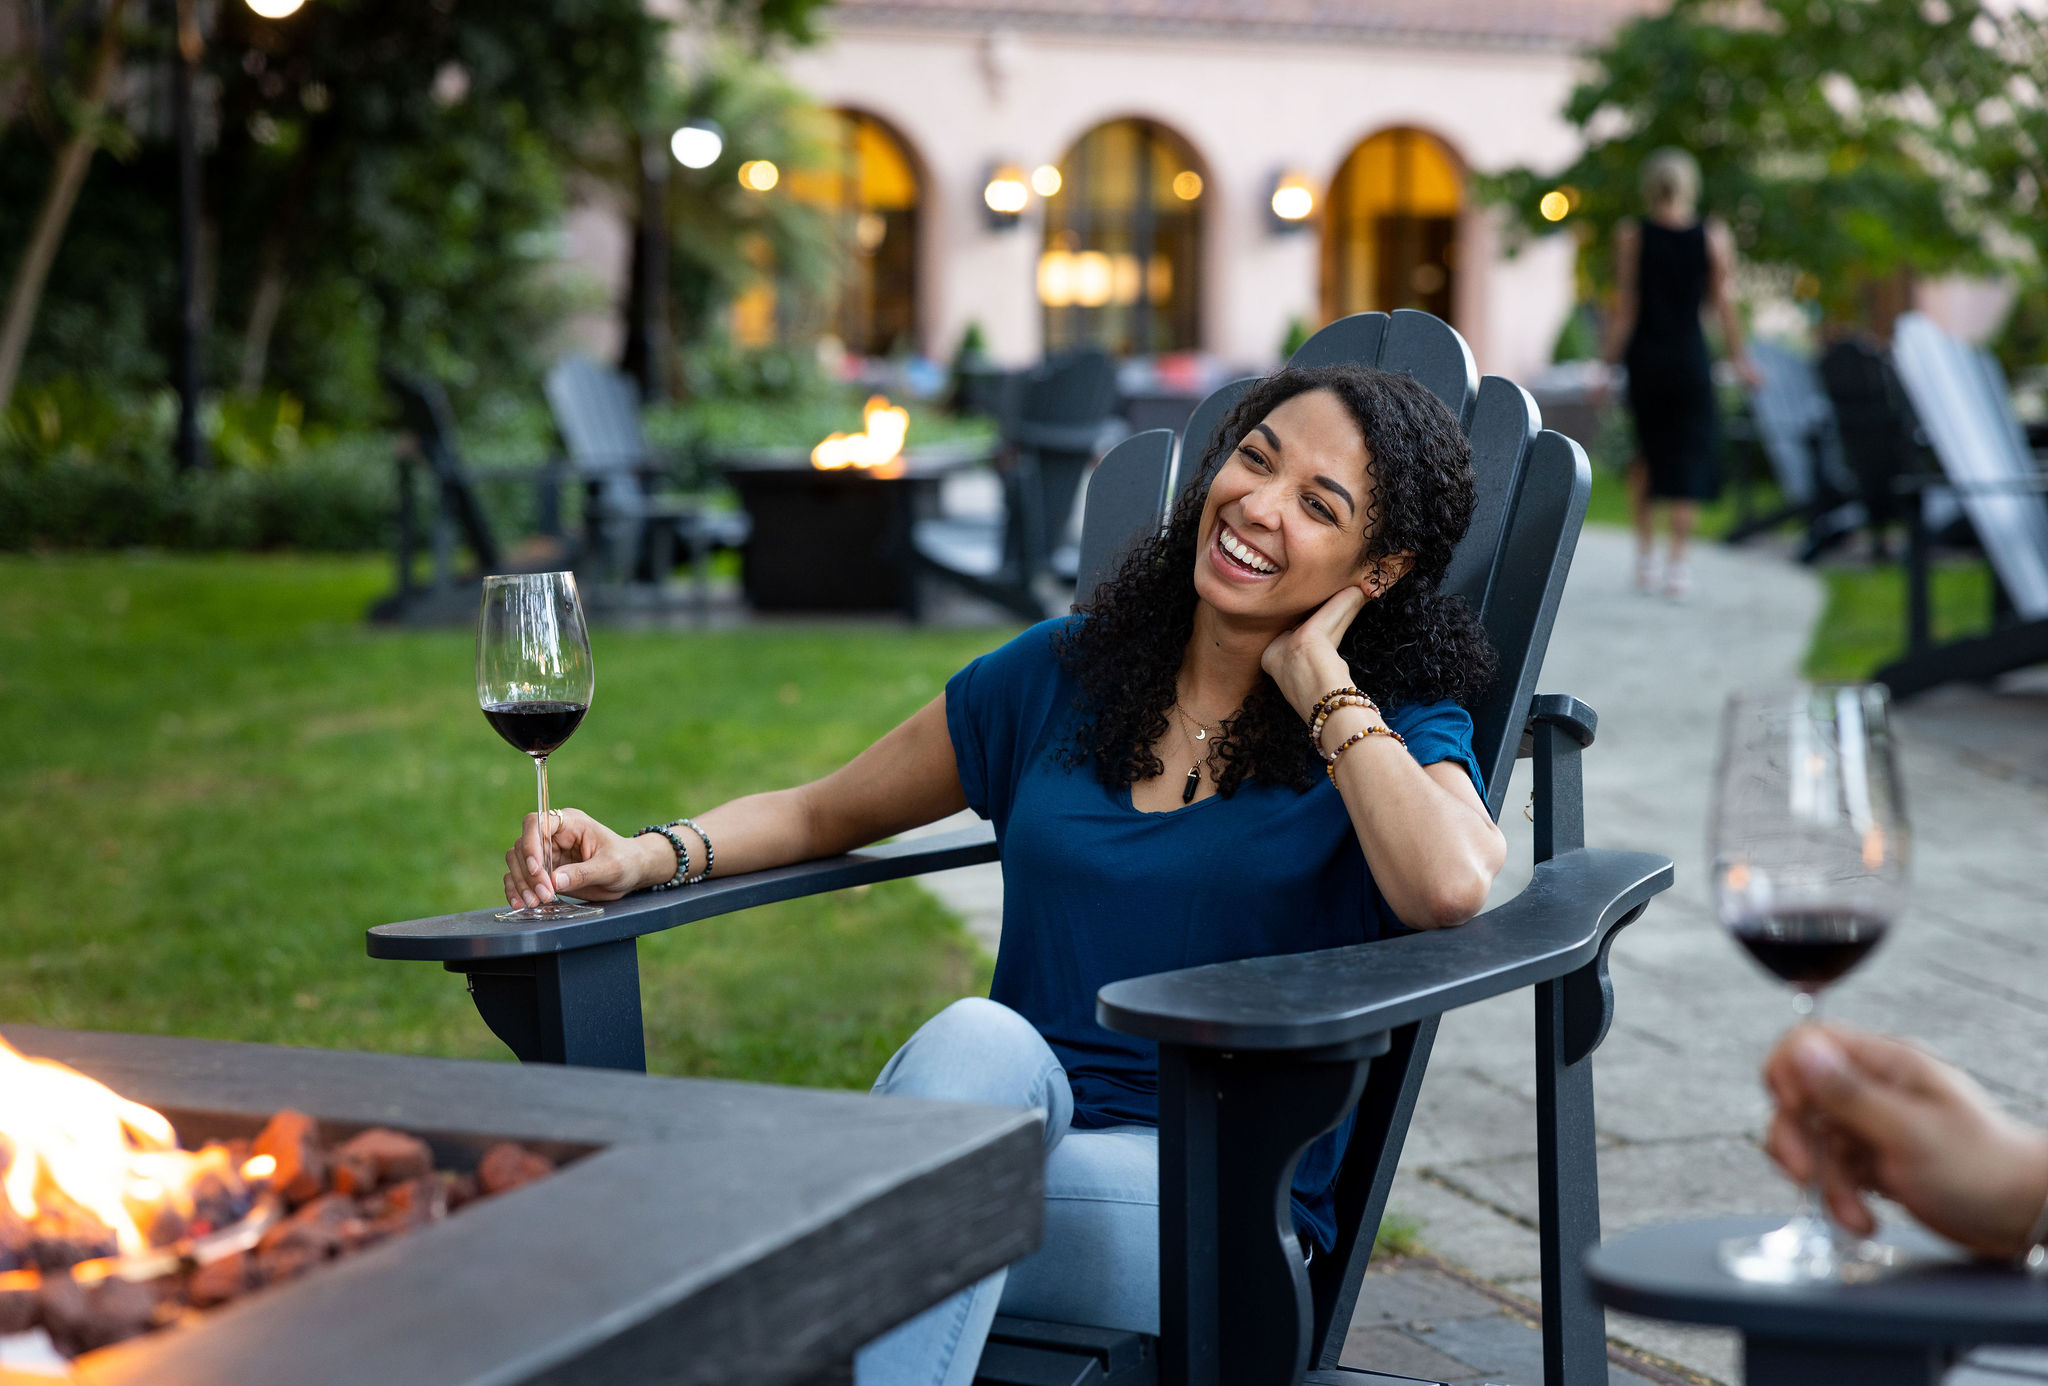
1004	196
1293	201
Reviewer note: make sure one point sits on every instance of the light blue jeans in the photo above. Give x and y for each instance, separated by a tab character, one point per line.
1099	1261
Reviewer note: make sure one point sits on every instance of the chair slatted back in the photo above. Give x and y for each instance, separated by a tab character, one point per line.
1795	424
423	409
1061	409
1129	490
1960	397
1532	488
597	411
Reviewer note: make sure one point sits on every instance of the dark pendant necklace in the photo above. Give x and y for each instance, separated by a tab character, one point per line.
1201	738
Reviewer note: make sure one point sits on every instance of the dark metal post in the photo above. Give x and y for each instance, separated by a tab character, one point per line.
190	454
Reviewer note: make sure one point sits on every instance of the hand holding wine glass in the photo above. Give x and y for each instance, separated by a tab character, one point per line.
534	681
1810	843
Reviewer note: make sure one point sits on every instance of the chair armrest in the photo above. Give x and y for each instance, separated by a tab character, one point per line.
476	934
1561	710
1339	995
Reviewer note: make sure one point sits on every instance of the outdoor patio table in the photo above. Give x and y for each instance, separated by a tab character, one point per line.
1904	1330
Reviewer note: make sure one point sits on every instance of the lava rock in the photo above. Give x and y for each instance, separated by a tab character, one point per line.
508	1164
79	1319
377	1158
217	1282
293	1140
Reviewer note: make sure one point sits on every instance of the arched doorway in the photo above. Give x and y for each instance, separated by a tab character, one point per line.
1391	227
874	193
1121	265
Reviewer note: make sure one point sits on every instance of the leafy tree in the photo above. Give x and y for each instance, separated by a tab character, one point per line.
1849	143
384	182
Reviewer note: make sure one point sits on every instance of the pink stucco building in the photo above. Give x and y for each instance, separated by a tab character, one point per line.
1377	108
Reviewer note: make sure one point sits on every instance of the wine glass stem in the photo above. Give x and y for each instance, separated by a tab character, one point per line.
547	835
1812	1208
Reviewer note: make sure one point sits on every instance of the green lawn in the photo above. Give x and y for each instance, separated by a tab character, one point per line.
219	777
1864	623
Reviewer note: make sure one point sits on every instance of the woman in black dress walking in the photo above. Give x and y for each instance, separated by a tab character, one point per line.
1668	267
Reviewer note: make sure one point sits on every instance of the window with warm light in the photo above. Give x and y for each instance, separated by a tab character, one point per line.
1390	227
873	192
1121	263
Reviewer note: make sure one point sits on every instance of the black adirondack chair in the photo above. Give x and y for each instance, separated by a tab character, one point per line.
1880	437
1052	429
1258	1057
1964	409
458	514
632	533
1792	423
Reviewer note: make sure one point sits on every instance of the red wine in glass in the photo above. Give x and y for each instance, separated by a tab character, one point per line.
534	682
1810	948
536	728
1810	842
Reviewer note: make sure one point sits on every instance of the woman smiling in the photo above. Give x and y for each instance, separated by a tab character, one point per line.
1250	742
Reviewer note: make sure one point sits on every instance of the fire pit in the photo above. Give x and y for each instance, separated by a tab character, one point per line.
831	527
697	1231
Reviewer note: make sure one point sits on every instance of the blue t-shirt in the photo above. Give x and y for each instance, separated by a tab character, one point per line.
1095	890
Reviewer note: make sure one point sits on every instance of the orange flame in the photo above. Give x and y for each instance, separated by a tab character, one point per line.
877	448
67	1138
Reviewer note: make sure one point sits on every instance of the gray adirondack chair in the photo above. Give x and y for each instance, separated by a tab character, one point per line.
1793	424
1052	430
457	514
1257	1058
1964	408
632	533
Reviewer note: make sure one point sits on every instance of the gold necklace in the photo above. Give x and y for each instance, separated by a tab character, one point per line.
1196	743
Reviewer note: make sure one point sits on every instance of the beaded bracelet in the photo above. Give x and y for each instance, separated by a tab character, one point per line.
1330	767
1329	708
1324	703
682	855
710	857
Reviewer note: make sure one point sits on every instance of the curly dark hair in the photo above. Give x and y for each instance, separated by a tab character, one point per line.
1412	645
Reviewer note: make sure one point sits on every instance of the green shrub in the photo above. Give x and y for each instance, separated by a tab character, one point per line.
337	499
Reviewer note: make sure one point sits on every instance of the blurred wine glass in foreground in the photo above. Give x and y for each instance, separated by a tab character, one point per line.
1809	841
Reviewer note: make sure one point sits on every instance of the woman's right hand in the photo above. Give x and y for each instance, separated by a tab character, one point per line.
591	861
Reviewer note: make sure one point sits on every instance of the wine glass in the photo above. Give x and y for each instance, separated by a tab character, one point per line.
534	682
1810	843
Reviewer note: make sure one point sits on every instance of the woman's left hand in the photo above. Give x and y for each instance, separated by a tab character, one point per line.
1304	661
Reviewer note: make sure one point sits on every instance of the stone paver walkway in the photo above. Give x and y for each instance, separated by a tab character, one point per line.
1680	1106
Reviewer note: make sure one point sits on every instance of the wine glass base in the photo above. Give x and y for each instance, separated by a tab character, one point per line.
556	913
1808	1251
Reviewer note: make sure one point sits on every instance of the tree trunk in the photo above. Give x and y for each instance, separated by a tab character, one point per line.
263	310
66	180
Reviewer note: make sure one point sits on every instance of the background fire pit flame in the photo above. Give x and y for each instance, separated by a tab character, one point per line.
78	1154
877	449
